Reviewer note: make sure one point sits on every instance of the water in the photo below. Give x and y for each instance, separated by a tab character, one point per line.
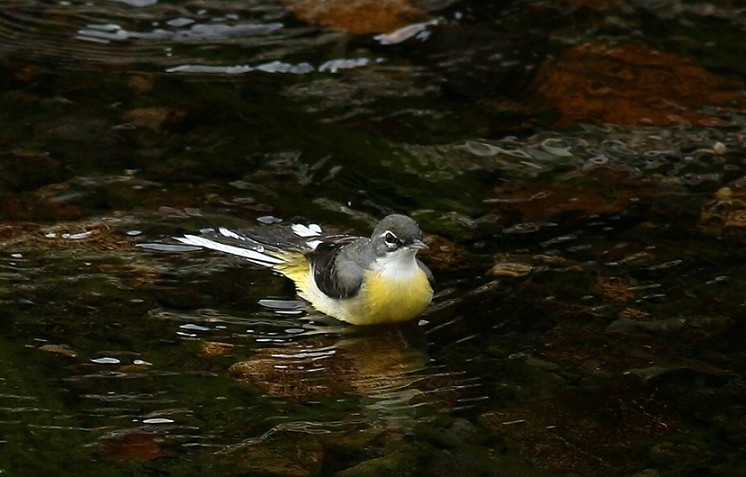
578	169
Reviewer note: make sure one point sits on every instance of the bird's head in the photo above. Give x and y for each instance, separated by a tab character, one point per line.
397	235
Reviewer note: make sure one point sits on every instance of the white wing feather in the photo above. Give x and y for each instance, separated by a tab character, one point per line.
252	255
306	230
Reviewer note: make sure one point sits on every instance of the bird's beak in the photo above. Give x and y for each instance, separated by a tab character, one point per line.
417	244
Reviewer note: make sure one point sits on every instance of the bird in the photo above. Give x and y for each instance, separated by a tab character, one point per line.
359	280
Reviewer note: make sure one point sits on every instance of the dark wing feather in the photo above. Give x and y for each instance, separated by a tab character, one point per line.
427	271
335	276
266	239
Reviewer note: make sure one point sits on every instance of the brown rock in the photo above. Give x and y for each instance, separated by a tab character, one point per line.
593	434
725	215
155	118
630	85
596	191
356	16
92	236
132	445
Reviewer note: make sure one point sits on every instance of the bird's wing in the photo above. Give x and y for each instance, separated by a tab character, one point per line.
337	275
427	271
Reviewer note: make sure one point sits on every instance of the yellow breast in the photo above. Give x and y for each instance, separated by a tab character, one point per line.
391	300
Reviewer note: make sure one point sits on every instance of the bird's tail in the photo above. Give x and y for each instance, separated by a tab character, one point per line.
279	249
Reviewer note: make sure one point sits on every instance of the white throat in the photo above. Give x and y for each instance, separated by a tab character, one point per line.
398	265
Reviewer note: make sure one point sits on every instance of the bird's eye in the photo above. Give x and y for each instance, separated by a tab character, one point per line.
390	238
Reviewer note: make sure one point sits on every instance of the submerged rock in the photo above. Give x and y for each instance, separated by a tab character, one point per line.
403	462
590	434
135	445
631	85
284	454
370	365
84	235
596	190
514	266
358	16
725	215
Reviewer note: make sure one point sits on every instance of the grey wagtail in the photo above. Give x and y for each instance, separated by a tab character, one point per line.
363	281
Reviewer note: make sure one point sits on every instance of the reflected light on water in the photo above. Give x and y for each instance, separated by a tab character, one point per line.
610	342
196	32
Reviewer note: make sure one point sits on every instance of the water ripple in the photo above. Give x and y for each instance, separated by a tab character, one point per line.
198	32
163	36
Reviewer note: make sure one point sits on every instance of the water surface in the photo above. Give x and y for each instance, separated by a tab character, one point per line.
577	167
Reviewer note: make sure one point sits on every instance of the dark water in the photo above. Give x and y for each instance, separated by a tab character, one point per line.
578	167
